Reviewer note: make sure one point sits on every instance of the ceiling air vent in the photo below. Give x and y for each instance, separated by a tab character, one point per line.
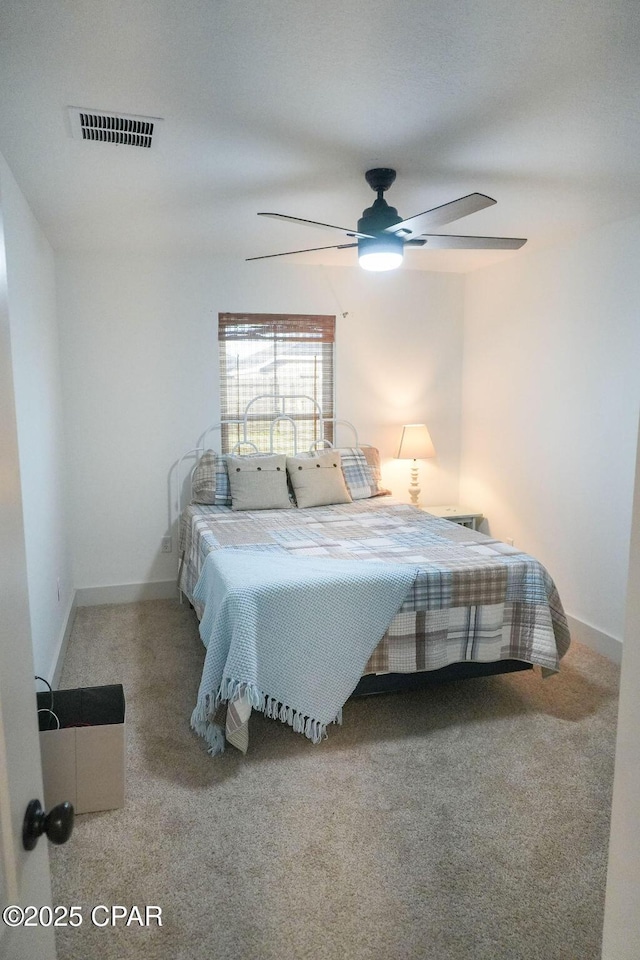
120	128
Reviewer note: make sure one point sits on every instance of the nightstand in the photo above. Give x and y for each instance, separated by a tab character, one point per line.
461	515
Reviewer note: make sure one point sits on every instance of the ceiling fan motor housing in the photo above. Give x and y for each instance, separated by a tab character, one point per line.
378	217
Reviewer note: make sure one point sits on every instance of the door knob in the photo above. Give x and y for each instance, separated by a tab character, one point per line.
57	824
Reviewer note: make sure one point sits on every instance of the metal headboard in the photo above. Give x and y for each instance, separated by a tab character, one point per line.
186	465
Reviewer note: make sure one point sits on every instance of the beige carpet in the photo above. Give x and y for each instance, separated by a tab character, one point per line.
466	822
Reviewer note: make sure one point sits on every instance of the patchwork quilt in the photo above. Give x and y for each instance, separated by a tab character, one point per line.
472	597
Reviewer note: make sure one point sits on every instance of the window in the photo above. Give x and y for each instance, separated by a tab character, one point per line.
268	353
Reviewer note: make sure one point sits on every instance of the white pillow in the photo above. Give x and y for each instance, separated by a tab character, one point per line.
259	483
318	481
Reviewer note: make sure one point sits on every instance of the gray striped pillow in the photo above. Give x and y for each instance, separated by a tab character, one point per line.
361	469
210	482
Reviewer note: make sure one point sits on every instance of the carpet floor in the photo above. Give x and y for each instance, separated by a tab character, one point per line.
469	821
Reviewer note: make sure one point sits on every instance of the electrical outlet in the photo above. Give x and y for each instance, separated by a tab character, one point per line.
509	541
166	545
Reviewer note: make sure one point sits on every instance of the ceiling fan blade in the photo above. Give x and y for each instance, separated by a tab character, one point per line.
438	216
289	253
314	223
444	242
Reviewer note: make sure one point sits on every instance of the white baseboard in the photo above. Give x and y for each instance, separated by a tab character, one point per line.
595	639
127	593
63	641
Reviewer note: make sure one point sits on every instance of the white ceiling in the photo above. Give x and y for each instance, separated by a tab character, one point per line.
282	105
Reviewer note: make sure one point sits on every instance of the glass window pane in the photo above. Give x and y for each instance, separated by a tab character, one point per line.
267	355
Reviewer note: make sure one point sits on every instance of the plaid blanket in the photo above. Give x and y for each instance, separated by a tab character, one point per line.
474	598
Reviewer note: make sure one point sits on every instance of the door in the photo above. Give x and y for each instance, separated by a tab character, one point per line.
621	939
24	877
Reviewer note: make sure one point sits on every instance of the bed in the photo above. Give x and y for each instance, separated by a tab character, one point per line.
301	607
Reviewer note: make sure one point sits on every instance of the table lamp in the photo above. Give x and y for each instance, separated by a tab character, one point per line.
415	444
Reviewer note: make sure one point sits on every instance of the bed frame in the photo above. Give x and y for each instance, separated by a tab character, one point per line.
369	684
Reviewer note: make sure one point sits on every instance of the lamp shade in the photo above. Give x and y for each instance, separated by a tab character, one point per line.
415	443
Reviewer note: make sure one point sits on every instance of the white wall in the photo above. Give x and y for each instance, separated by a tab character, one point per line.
140	381
550	411
36	375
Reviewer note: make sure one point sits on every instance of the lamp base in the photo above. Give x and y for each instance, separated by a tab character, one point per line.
414	487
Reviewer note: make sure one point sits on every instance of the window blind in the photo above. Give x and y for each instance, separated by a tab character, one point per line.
275	354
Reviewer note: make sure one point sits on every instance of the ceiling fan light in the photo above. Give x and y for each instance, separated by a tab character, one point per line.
380	261
380	253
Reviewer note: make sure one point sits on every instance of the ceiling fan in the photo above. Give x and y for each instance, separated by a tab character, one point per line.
382	234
